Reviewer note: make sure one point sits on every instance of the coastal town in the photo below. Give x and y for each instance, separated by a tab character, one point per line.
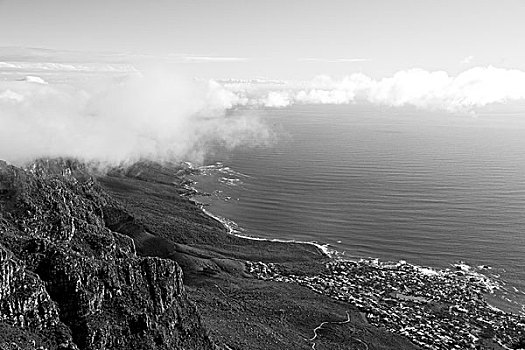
439	310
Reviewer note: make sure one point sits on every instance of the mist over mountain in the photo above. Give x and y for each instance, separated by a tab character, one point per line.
151	115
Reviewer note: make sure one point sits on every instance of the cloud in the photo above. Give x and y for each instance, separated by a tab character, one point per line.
36	80
467	60
261	81
155	115
276	99
65	67
437	90
213	59
473	88
39	55
70	59
334	60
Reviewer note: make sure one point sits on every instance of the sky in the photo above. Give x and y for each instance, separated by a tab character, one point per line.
293	39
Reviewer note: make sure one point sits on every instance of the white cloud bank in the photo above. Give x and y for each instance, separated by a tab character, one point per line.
159	117
16	66
471	89
467	60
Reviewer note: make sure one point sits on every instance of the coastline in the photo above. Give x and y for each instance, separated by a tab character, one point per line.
473	288
462	269
487	317
233	228
230	226
211	192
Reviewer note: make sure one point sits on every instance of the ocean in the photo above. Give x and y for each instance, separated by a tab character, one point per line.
432	188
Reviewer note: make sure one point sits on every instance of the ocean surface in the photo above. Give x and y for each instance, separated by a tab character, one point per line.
430	188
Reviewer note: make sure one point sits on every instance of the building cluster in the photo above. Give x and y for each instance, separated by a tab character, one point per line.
435	310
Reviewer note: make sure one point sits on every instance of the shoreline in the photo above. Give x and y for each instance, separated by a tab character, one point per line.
336	256
475	287
472	287
501	299
490	285
228	224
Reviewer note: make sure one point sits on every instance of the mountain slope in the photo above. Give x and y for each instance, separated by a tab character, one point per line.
70	282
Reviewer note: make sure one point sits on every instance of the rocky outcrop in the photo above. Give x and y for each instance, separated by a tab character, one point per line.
28	316
68	281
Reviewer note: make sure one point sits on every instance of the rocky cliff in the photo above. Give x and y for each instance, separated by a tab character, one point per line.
69	282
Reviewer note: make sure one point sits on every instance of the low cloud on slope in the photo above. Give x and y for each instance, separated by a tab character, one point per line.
145	116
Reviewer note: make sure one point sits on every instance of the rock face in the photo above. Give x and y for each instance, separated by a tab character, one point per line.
69	282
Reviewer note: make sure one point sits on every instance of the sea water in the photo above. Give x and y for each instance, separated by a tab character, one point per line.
431	188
